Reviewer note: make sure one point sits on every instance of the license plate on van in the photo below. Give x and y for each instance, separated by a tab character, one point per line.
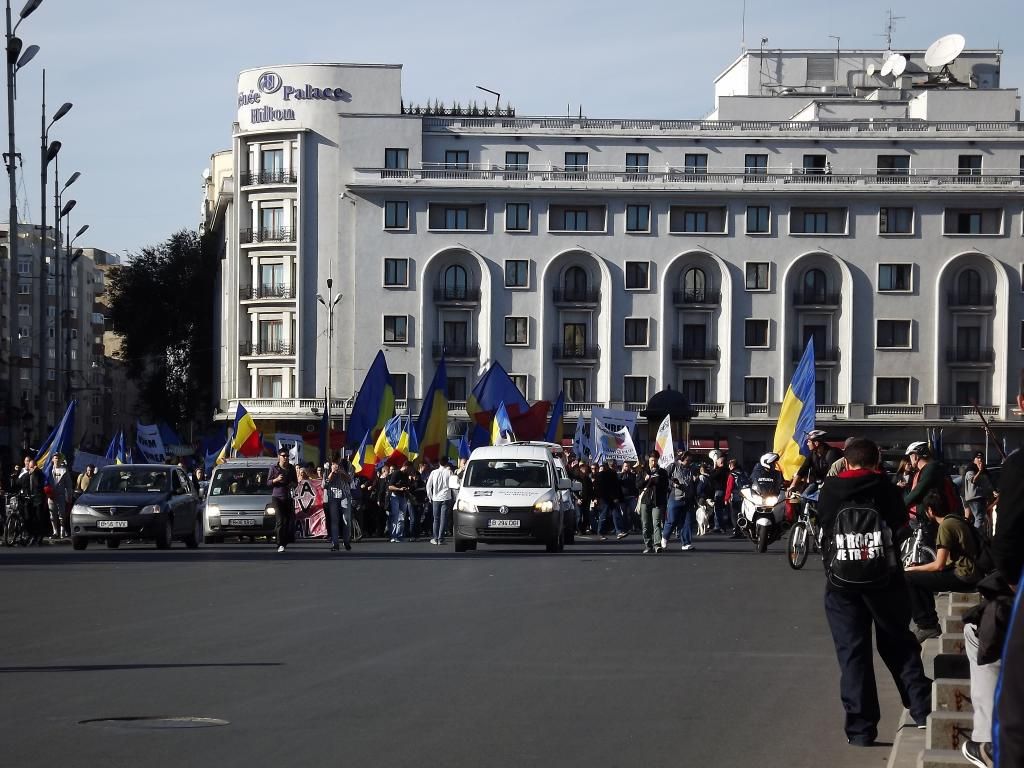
502	523
242	522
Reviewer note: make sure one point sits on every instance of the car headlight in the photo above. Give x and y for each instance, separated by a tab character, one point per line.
465	506
544	506
82	509
212	510
150	509
270	511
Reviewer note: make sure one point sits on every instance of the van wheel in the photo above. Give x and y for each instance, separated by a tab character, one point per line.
463	545
113	543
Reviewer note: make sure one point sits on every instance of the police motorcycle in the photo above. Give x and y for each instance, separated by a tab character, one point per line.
763	511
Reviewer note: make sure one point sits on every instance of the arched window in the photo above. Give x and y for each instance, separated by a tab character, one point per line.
456	282
574	283
968	287
694	286
815	288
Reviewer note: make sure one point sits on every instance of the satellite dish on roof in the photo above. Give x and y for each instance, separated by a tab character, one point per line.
899	64
887	67
944	51
871	70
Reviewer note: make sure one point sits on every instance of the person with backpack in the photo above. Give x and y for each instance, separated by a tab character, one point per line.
866	590
954	568
978	491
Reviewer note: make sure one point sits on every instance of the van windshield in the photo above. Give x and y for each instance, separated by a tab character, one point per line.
114	480
507	473
244	481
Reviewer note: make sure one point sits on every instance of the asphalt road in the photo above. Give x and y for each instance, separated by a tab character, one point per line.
407	655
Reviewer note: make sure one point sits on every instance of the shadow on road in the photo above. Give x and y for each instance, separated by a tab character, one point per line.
129	667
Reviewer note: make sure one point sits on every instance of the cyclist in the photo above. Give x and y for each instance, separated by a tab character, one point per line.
928	475
818	462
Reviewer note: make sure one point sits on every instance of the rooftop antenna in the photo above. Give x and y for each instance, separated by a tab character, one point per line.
764	42
888	29
743	28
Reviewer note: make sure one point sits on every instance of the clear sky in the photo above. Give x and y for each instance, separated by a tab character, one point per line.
153	81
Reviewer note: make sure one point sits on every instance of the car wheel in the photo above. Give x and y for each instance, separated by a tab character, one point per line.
193	539
79	543
112	543
165	535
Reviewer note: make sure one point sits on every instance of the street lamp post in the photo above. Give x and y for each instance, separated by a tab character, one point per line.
331	301
60	271
75	254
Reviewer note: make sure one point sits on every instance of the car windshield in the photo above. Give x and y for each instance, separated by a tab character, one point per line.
507	473
243	481
114	480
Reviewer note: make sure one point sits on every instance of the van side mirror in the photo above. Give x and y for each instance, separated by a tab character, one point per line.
564	484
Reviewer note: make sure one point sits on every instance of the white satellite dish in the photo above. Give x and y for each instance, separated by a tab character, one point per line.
944	51
899	65
206	174
887	67
871	70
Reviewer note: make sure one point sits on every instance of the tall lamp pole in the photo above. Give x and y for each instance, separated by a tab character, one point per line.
330	302
59	270
16	59
75	254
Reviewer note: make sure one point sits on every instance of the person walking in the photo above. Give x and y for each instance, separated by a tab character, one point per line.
60	498
718	479
608	491
338	492
399	486
653	485
853	613
681	503
978	491
627	479
282	479
439	492
31	485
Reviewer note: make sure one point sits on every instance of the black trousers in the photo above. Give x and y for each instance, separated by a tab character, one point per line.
284	526
923	587
851	616
1008	727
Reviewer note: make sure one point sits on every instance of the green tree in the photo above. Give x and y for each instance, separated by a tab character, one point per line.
162	306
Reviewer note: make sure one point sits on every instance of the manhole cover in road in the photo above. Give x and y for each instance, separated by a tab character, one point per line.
155	723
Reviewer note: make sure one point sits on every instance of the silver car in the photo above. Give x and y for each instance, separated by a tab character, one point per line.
238	501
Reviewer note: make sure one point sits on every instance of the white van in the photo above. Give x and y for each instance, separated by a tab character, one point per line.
518	493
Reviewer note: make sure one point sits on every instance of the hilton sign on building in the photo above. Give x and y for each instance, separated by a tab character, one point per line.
609	258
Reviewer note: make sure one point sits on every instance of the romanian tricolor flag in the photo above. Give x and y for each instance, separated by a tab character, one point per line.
501	427
432	425
374	404
397	441
364	460
247	440
796	418
60	441
555	430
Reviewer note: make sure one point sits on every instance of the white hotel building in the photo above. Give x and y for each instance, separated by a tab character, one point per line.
883	217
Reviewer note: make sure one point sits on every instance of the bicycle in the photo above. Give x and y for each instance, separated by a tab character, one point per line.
913	550
805	535
14	530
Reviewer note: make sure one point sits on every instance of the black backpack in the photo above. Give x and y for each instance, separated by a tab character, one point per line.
859	552
984	564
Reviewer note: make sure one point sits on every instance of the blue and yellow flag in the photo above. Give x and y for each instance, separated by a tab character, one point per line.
397	441
60	441
374	404
555	431
796	418
364	460
432	424
114	449
501	427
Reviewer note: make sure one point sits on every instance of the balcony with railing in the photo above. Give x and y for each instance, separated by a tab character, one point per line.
456	294
696	298
577	297
270	348
576	352
693	353
276	176
459	351
267	235
970	299
970	356
829	299
252	293
822	354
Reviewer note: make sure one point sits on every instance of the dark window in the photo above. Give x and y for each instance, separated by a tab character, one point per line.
894	277
821	388
695	221
968	287
757	219
893	333
396	158
517	216
895	221
637	275
756	333
637	163
757	275
968	343
455	282
574	338
576	162
695	390
755	165
636	331
968	223
695	164
516	330
516	165
456	218
815	287
815	222
400	381
968	393
695	341
396	215
456	159
396	273
892	391
638	218
755	389
820	335
695	285
575	389
456	389
396	329
519	379
634	389
455	334
575	284
517	273
814	164
575	221
969	165
893	165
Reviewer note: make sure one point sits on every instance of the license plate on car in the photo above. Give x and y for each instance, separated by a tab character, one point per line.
112	524
503	524
243	522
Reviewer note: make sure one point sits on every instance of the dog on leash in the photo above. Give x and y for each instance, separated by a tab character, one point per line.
705	517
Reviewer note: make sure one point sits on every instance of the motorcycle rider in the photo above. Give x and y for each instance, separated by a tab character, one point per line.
767	469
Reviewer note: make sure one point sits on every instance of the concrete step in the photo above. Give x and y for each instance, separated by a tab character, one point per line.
948	730
962	601
949	665
953	644
951	695
952	625
941	758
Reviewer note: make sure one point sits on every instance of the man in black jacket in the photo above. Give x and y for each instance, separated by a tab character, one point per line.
1008	553
852	614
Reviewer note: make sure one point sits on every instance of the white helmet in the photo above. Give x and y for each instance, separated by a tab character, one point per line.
769	460
715	454
920	448
816	434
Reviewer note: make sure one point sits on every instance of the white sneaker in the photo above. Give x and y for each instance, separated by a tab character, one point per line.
686	547
434	542
280	549
664	543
